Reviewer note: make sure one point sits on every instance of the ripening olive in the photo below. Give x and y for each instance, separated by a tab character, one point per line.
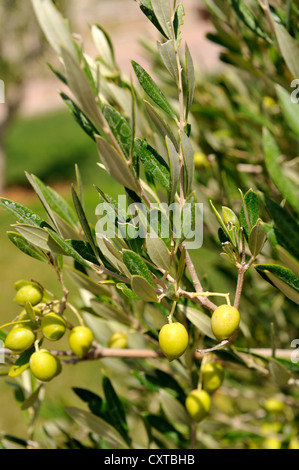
212	376
80	340
225	321
19	339
44	365
29	293
173	340
118	341
53	326
198	404
273	405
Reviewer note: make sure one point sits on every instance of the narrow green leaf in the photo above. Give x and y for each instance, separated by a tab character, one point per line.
222	224
98	426
181	267
178	22
289	48
85	282
143	289
22	213
152	162
84	222
119	127
137	266
152	89
174	167
158	252
200	320
147	10
81	118
285	223
32	399
21	364
104	46
67	248
174	411
23	245
79	85
38	237
249	212
190	80
280	374
164	16
290	262
188	155
168	56
116	165
54	26
109	312
126	291
289	109
115	408
287	187
256	238
247	17
112	255
162	126
282	278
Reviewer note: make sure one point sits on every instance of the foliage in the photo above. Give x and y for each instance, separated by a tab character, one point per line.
184	140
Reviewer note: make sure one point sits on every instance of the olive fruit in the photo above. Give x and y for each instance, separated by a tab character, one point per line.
19	339
225	321
53	326
118	341
198	404
173	340
80	340
272	443
29	293
44	365
212	376
273	405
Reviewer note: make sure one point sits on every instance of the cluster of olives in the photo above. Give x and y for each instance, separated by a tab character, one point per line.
173	342
48	324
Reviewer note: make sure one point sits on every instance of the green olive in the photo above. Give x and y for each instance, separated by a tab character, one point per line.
29	293
212	376
19	339
118	341
225	321
198	404
273	405
173	340
44	365
80	340
53	326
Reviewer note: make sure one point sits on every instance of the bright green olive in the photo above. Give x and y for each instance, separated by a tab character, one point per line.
272	443
19	339
198	404
29	293
44	365
118	341
80	340
53	326
212	376
173	340
224	321
273	405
